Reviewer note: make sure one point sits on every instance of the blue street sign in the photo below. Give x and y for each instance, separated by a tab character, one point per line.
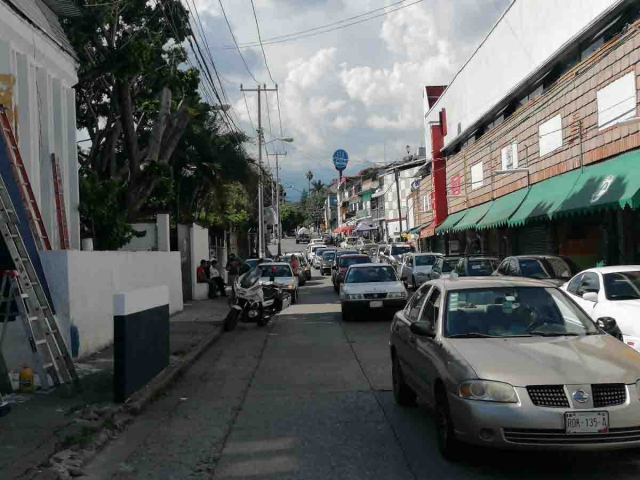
340	160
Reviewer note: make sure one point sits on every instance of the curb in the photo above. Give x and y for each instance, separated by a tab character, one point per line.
139	400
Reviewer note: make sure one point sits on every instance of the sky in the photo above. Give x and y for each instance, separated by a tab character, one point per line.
358	88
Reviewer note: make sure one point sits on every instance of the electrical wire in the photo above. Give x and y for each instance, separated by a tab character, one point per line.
264	55
313	34
237	47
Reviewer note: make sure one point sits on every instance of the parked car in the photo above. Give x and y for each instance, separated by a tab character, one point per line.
364	245
444	267
334	265
392	254
317	256
343	262
476	266
302	276
306	267
416	267
371	287
610	292
328	256
349	242
556	270
311	250
303	237
377	251
282	275
514	363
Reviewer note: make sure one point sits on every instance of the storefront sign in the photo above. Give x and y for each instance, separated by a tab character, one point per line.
428	231
455	184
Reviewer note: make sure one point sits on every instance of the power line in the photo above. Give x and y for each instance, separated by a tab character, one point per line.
248	113
279	115
236	43
312	34
266	64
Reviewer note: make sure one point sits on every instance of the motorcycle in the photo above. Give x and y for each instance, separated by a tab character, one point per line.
255	302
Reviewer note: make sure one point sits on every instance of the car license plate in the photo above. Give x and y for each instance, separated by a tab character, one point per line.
375	304
586	422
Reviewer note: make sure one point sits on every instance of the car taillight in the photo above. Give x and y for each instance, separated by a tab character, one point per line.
343	270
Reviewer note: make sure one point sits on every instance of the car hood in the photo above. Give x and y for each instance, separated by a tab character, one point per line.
373	287
550	361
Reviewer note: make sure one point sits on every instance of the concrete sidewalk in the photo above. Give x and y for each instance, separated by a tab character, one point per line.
42	424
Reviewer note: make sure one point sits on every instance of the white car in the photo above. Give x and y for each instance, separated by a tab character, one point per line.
311	250
282	275
610	292
371	288
416	267
349	242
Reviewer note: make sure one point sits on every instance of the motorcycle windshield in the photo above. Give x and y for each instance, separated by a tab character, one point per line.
250	278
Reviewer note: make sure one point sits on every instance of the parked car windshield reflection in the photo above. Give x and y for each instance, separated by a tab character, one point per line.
622	285
508	312
371	275
424	260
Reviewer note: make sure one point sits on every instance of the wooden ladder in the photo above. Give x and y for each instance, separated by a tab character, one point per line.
61	213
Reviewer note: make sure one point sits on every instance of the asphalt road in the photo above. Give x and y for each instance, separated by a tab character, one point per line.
309	397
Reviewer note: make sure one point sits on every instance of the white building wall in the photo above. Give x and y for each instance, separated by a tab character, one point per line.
199	251
36	80
82	285
529	33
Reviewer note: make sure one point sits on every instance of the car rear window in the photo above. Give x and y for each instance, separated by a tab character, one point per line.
345	262
622	285
401	249
449	264
425	260
371	275
481	268
561	268
328	255
534	268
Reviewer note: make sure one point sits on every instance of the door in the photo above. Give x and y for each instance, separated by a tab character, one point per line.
407	268
403	320
428	350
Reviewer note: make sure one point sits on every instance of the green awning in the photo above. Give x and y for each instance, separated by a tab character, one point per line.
502	209
417	229
609	184
473	216
451	221
544	198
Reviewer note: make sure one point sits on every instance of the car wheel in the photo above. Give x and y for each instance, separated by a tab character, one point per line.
448	446
346	315
402	393
413	282
294	298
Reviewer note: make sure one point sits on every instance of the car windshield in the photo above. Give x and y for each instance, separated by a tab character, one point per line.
371	275
449	264
345	262
328	256
425	260
277	271
622	285
252	262
481	267
514	311
401	249
250	278
320	251
534	268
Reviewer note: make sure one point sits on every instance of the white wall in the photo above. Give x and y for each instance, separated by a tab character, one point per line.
147	243
530	33
42	97
82	285
199	251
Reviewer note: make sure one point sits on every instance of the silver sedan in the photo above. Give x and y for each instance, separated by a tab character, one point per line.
514	363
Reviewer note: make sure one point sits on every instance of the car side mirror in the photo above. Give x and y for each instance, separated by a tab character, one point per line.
610	326
590	297
422	329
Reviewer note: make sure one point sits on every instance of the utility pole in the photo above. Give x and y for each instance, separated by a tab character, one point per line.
397	175
261	252
277	154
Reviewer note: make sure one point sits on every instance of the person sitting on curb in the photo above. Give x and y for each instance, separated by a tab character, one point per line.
216	278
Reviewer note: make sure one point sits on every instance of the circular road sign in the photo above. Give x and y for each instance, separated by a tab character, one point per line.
340	159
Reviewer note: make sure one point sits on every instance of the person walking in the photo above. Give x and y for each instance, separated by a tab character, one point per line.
233	270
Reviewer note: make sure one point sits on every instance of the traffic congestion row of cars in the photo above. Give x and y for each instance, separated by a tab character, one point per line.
524	352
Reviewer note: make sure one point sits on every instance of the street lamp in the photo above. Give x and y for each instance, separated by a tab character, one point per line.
408	149
277	154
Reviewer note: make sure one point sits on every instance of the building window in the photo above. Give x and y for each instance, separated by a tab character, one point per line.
617	101
476	176
509	156
550	135
426	203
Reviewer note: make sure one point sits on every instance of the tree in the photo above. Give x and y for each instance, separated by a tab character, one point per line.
309	178
318	186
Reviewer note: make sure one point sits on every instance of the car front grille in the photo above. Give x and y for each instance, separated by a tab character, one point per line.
533	436
374	296
608	394
548	395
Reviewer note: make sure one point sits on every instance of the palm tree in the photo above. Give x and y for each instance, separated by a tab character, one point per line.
309	178
318	186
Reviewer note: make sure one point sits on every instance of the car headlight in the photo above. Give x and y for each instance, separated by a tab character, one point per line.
396	294
488	391
354	296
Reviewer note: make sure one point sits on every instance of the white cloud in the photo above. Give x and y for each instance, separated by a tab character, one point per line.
343	122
